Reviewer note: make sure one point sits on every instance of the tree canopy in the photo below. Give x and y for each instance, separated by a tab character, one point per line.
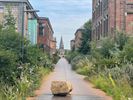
86	38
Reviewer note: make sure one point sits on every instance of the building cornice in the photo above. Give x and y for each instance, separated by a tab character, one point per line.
49	23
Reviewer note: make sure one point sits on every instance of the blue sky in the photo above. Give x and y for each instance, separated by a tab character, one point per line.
66	16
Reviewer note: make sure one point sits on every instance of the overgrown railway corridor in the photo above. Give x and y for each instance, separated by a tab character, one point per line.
82	90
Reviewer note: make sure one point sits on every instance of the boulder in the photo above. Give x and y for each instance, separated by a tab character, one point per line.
61	88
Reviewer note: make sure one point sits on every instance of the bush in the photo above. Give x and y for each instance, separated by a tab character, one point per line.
110	66
71	55
18	78
127	54
85	67
8	65
10	40
75	62
36	57
128	69
107	45
121	39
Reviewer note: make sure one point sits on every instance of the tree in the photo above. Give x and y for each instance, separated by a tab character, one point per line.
9	21
86	38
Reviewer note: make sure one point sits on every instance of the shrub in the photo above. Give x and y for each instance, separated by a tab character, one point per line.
8	65
75	62
107	45
85	67
55	58
127	54
19	78
71	55
128	69
110	66
10	40
121	39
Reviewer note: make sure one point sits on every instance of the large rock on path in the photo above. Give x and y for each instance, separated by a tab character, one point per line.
61	88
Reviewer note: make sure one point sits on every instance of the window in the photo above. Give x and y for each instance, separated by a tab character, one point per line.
105	4
41	45
130	6
104	23
101	6
1	9
41	29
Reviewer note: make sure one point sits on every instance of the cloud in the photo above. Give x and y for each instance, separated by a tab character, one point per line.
65	15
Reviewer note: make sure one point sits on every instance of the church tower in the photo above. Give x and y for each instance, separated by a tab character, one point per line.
61	48
61	44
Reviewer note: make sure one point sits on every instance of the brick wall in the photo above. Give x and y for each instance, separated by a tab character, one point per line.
114	15
46	39
78	36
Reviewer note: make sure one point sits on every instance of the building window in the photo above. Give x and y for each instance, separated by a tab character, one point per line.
41	45
105	4
99	30
105	25
101	8
130	6
96	32
41	29
1	9
104	31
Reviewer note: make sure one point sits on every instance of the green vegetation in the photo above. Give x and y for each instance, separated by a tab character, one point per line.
108	65
86	38
19	78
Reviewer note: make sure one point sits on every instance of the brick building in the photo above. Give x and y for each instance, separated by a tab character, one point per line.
25	21
72	44
53	45
78	36
111	15
45	35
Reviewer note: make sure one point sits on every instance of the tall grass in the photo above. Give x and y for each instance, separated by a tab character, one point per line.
110	66
23	87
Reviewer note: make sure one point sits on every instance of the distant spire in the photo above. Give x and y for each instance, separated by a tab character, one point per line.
61	43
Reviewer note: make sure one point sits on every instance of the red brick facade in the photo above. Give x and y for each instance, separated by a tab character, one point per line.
45	35
111	15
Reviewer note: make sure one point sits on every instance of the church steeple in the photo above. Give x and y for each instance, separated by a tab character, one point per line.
61	43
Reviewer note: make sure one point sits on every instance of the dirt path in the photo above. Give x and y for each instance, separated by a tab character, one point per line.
82	90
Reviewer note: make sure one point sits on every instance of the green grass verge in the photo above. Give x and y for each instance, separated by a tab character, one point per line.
121	91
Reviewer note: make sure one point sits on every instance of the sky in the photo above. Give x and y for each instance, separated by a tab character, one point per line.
66	16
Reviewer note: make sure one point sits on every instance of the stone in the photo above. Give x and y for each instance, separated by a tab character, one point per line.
61	88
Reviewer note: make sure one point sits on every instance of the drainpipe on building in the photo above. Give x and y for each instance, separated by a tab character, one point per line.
124	15
22	42
23	20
